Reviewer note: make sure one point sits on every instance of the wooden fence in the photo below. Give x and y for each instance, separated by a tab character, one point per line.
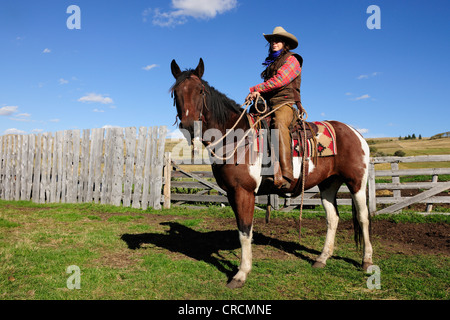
124	167
394	195
200	187
109	166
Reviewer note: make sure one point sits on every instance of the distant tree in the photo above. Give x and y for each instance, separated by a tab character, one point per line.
420	136
413	136
399	153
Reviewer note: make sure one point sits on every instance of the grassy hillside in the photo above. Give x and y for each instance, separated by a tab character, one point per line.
415	147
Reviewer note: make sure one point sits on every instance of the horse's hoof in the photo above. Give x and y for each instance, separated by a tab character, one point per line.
366	265
235	284
318	265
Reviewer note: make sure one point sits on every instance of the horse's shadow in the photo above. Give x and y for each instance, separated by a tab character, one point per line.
206	246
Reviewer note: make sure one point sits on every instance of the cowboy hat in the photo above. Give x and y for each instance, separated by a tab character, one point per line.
279	32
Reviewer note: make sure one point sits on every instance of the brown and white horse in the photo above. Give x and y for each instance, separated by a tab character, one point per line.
196	101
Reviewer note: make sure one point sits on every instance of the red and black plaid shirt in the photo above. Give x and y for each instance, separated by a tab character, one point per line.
286	74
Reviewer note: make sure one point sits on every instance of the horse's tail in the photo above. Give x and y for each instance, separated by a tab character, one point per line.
356	227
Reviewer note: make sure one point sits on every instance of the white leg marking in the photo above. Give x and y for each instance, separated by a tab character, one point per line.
246	256
332	221
363	217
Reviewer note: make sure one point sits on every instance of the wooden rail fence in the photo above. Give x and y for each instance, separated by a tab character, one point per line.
109	166
396	200
201	187
125	166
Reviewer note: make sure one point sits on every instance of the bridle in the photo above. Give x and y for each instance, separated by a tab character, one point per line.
203	106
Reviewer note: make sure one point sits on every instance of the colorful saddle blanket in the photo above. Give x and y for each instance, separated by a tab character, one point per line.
323	145
321	138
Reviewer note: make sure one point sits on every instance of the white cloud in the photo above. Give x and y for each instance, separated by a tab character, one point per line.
98	110
364	96
63	81
363	130
23	115
54	120
149	67
20	119
182	9
367	76
93	97
146	13
110	126
8	110
37	130
14	131
46	50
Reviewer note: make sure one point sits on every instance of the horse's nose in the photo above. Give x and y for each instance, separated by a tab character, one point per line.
188	130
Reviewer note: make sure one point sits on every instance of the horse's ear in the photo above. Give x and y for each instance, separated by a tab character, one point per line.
200	69
175	69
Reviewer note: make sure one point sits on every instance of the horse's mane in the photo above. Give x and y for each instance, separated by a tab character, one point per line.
217	103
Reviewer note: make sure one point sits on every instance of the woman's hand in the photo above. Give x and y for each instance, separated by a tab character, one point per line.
252	96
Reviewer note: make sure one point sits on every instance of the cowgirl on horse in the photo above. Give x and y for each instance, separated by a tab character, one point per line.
197	101
281	90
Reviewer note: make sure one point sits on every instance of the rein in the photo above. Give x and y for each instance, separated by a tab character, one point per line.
303	116
247	103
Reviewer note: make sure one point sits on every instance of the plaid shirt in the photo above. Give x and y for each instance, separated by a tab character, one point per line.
286	74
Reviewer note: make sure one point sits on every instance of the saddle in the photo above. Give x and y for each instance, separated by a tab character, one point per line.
319	136
301	128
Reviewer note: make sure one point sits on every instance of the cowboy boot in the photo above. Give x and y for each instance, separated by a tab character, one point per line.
277	175
282	120
284	176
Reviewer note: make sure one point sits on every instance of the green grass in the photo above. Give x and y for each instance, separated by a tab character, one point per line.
39	242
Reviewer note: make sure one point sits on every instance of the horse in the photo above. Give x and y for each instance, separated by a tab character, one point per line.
196	101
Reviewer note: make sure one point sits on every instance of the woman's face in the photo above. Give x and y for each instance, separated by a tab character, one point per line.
276	45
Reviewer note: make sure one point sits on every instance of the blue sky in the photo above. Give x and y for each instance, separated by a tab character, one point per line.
115	70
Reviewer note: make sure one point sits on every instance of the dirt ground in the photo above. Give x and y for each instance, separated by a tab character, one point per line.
403	238
279	238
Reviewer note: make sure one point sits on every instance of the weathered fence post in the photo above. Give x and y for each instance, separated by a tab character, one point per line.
157	168
396	179
37	169
434	179
139	171
84	171
167	179
372	188
117	167
130	148
18	178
